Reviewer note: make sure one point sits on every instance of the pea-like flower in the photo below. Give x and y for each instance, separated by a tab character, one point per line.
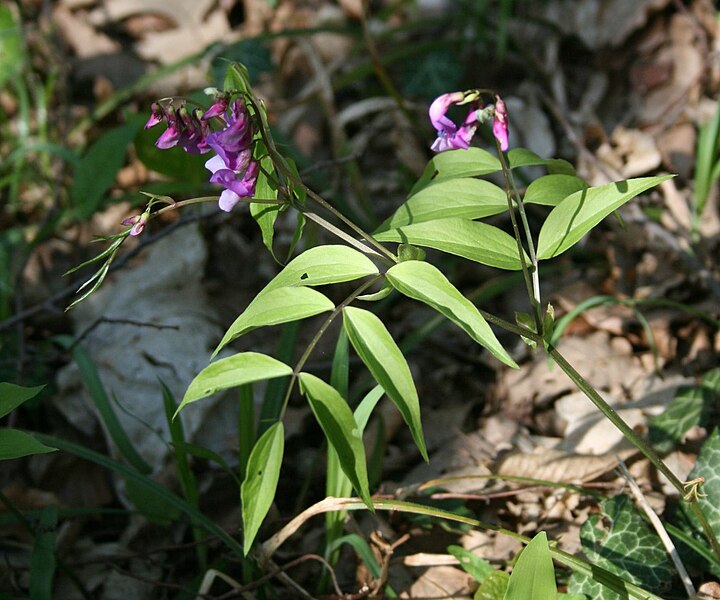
449	136
500	123
138	223
236	186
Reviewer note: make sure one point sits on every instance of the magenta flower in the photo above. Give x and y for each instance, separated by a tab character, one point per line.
218	109
138	223
236	187
500	123
232	142
449	136
184	128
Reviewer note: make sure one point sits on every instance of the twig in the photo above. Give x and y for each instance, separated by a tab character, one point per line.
50	305
660	530
102	320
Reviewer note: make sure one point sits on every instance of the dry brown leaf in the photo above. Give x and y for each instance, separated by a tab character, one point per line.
84	40
601	23
441	582
557	466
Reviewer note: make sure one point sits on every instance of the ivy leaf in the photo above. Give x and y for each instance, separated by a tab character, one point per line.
708	467
620	541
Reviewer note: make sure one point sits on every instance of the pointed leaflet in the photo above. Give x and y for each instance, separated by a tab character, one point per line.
457	163
15	443
323	265
258	490
12	396
230	372
266	214
277	306
341	430
375	346
522	157
422	281
480	242
550	190
570	220
466	197
533	576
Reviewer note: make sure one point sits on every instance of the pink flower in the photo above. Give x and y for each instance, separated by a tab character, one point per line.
500	123
449	137
138	223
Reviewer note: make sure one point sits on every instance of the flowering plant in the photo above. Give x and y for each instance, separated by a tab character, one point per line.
444	211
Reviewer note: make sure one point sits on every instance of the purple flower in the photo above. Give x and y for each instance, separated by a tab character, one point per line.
218	109
232	142
449	137
500	123
236	187
138	223
184	128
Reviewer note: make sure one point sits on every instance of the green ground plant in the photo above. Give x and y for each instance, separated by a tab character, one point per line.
444	211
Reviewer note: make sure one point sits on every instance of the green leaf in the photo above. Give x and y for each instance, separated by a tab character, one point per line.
342	432
475	566
233	371
533	576
476	241
376	348
15	444
258	489
522	157
264	214
687	409
11	46
457	163
550	190
570	220
280	305
363	551
708	466
620	541
323	265
493	586
422	281
96	171
153	507
43	561
465	198
12	396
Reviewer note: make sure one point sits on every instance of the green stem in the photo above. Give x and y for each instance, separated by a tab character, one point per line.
533	286
584	386
280	165
707	528
320	332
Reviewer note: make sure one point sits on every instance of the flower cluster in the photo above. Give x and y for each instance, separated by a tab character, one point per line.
452	137
233	166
